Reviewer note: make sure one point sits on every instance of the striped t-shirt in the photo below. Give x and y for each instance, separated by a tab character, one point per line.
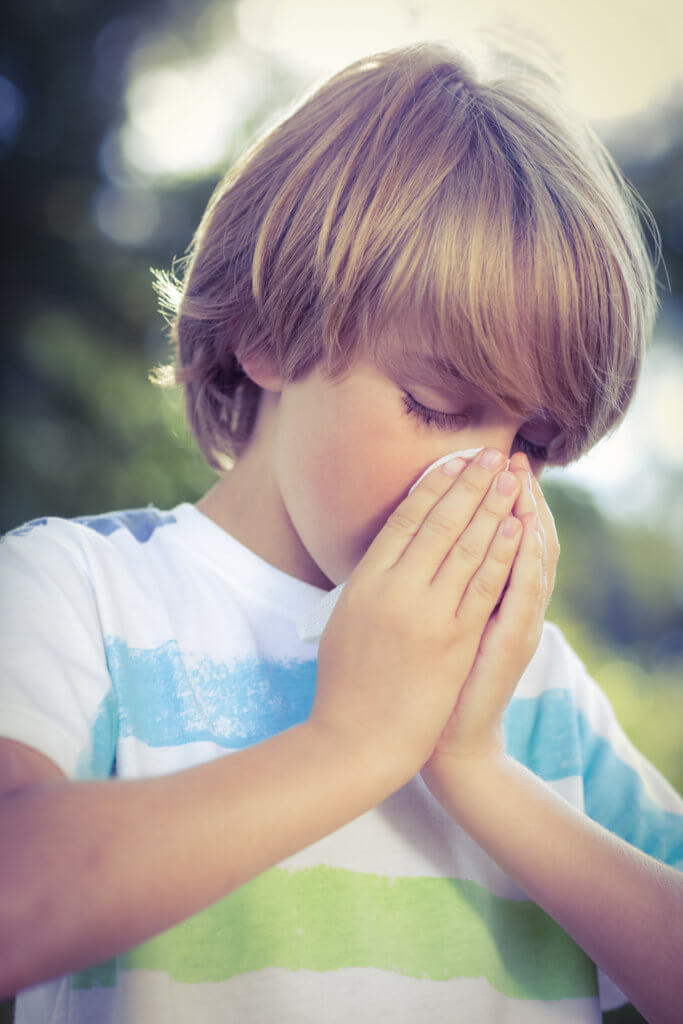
144	641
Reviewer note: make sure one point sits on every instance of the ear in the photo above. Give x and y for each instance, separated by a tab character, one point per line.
263	370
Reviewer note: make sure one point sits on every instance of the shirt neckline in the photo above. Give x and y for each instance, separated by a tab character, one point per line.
251	573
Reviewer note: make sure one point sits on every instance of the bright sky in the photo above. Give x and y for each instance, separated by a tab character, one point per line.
617	55
185	105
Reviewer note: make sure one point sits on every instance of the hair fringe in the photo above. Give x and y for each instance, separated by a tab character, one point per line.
421	201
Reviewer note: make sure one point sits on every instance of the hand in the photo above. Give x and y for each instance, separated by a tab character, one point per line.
403	637
475	728
532	501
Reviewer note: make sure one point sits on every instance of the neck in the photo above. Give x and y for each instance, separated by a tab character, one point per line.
246	503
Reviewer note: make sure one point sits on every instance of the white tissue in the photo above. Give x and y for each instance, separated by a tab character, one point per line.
312	622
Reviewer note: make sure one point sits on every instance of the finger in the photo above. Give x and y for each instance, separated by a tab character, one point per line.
525	504
468	553
405	521
447	519
549	532
531	501
487	584
522	606
546	517
519	461
531	508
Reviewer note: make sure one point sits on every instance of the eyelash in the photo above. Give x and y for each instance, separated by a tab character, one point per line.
451	420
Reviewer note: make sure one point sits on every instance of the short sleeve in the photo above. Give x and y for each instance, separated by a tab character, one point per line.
624	792
55	688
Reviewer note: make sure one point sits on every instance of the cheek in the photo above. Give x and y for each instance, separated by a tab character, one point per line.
340	481
353	476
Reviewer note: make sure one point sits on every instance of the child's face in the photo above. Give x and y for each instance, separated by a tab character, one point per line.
345	454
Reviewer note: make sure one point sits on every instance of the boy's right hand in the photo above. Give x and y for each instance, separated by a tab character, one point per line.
405	632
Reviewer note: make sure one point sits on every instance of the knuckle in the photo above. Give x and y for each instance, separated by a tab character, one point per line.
508	640
439	525
532	588
400	522
484	587
501	555
493	515
468	553
471	486
429	487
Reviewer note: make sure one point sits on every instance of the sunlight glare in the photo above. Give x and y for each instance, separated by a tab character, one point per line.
181	118
617	57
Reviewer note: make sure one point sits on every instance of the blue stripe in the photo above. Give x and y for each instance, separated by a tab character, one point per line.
140	522
240	702
19	531
233	704
615	797
97	761
542	732
554	739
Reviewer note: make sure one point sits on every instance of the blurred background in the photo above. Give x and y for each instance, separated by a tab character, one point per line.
118	118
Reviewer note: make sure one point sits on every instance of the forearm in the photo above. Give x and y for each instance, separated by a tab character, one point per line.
624	908
88	869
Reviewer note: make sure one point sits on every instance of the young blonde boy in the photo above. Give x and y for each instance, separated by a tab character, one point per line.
431	814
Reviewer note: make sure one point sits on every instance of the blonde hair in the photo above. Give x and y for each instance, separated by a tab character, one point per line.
412	205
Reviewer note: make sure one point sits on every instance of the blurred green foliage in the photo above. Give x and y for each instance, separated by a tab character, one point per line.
82	429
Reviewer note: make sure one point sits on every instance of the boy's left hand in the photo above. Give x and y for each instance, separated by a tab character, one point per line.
532	501
509	640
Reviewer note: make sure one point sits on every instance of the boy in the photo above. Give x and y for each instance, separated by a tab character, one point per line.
205	818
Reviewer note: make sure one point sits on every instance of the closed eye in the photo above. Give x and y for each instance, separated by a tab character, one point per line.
457	420
443	420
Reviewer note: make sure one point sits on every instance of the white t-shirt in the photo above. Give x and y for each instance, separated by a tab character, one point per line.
143	642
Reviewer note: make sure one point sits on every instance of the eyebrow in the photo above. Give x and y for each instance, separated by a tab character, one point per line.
443	367
428	362
429	370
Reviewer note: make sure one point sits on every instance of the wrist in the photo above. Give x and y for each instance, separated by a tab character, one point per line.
384	768
461	780
462	758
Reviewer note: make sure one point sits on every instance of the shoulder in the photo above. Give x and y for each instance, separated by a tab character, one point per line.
45	549
120	535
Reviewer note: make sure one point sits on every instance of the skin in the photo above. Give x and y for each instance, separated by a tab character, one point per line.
311	501
333	489
220	823
326	505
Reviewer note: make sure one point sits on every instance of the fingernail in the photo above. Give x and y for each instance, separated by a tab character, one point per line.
510	526
453	467
491	458
506	483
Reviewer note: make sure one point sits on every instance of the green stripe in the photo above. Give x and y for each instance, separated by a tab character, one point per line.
323	918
